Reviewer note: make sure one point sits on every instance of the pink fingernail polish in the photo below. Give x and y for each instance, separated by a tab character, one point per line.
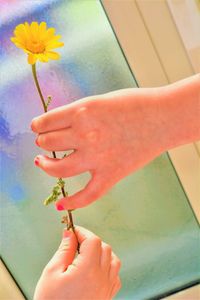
36	161
59	207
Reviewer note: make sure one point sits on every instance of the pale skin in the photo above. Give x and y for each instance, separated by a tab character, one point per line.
117	133
112	135
93	274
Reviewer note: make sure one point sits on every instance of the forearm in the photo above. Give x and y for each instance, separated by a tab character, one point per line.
180	111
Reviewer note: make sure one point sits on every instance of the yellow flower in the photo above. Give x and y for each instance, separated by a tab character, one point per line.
37	41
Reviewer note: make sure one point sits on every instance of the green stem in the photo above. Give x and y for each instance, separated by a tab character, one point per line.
38	87
53	152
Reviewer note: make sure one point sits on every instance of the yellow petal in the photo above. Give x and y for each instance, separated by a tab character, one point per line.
20	32
32	58
14	39
19	28
19	45
55	38
27	28
37	41
52	55
54	45
42	29
43	58
34	28
18	40
48	34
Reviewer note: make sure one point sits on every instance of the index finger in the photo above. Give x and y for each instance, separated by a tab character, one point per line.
58	118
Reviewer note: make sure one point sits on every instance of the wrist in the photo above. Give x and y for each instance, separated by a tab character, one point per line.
180	112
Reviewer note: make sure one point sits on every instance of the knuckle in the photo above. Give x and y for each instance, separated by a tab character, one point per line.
96	240
82	110
49	268
84	120
93	135
81	114
116	262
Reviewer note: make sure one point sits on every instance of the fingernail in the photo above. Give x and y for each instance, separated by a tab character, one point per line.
37	161
36	142
59	207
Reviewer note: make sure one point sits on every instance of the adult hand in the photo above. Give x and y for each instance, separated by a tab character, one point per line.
92	275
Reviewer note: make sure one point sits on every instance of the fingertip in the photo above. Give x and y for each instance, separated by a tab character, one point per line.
80	199
67	233
33	125
59	207
65	204
38	160
70	235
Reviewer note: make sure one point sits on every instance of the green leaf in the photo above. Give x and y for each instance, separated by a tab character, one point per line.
53	196
48	101
56	192
61	182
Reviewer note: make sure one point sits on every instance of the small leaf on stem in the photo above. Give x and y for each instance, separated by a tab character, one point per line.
55	192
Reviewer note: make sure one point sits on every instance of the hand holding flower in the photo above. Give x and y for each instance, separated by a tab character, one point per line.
92	275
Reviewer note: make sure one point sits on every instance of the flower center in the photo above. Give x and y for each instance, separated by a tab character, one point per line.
36	47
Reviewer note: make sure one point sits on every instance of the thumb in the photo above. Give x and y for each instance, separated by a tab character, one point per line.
66	252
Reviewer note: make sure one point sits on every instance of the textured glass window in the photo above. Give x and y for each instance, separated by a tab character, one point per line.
146	217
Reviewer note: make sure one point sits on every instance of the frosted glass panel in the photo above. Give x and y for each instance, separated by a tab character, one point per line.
146	217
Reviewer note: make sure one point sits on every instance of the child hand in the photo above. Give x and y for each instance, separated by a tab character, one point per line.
92	275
